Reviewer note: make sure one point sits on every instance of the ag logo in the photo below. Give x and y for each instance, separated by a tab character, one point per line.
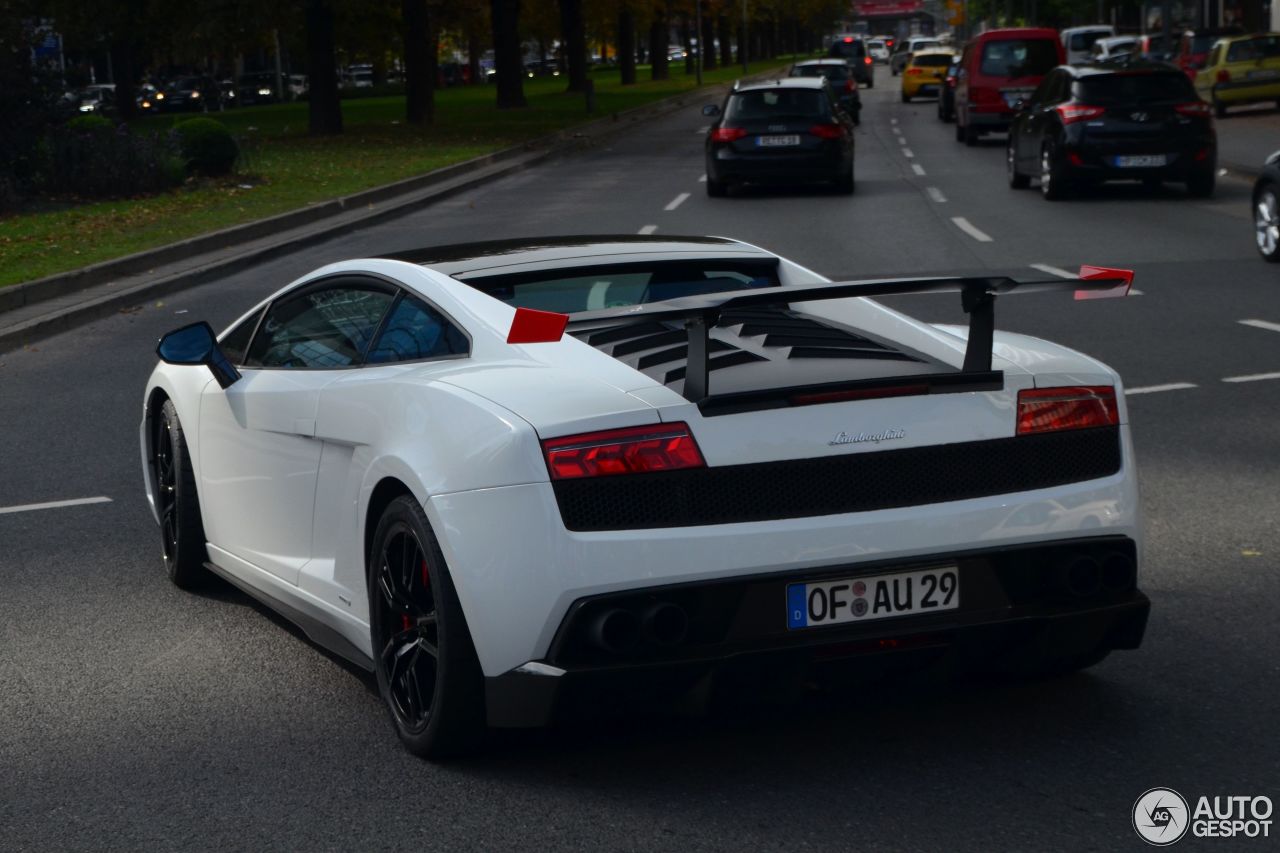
1161	817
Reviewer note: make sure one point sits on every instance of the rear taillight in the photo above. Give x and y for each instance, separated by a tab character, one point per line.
848	85
866	60
911	72
827	131
1071	113
1224	76
1195	109
1052	409
727	134
631	450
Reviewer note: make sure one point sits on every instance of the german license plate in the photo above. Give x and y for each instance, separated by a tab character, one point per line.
1141	161
777	141
810	605
1012	97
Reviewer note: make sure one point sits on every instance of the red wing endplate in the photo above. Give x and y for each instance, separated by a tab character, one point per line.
531	326
1092	273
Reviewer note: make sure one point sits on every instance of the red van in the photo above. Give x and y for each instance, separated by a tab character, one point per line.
997	69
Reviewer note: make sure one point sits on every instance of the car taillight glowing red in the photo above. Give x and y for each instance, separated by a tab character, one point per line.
911	72
631	450
1224	76
866	60
1195	109
827	131
1071	113
727	134
848	85
1074	407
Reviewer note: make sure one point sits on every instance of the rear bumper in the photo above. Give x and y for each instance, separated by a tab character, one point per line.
1184	159
776	168
1017	615
993	122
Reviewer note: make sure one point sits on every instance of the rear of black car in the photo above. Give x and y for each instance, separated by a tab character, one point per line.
854	52
788	132
1143	124
840	78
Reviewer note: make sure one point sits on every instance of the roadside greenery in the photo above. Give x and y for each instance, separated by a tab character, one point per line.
282	168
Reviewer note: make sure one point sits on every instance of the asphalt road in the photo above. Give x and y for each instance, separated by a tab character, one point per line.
135	716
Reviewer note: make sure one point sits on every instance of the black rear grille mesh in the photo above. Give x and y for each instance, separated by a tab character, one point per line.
857	482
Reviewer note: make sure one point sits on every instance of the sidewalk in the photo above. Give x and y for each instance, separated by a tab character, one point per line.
1246	137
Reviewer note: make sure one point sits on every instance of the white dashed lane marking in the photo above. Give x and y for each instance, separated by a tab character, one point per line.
1261	324
1154	389
702	180
967	227
702	130
5	510
918	169
1253	377
906	152
936	195
676	202
648	229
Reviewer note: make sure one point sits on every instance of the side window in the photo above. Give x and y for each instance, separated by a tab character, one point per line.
236	342
414	331
1044	92
322	327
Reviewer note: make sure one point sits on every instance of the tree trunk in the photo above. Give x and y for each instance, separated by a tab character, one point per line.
707	42
686	38
744	50
627	44
473	57
419	88
726	41
506	53
323	107
573	32
658	56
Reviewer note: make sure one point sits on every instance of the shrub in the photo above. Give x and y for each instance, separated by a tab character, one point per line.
207	146
87	159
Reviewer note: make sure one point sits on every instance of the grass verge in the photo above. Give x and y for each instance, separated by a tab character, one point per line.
284	169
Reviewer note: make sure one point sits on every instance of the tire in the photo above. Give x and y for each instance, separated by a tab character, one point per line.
1054	185
959	129
906	99
844	185
716	189
1266	222
177	503
871	81
1219	108
1017	180
408	618
970	135
1201	184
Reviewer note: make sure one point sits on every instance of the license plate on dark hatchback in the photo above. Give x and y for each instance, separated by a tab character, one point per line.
777	141
810	605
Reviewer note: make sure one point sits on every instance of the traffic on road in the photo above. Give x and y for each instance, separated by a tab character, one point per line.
778	470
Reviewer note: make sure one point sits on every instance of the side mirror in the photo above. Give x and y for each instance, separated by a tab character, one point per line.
196	344
1019	105
711	110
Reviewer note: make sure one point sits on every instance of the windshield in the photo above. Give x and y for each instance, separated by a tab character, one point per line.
831	72
1084	41
570	291
1019	57
932	60
1263	47
1110	89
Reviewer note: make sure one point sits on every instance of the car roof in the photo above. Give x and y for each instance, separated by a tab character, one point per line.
1231	39
830	60
571	251
1017	33
933	51
781	83
1138	66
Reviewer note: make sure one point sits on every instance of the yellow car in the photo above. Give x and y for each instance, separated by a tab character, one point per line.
1241	70
925	72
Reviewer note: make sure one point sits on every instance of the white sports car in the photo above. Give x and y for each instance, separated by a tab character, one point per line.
727	464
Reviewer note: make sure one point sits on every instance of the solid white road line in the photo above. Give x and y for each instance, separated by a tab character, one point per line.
936	195
918	169
1152	389
893	121
676	202
1253	377
703	179
1261	324
967	227
702	130
648	229
5	510
1061	273
906	152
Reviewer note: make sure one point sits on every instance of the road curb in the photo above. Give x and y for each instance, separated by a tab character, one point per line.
392	200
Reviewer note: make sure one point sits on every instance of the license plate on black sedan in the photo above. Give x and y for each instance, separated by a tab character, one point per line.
777	141
1141	161
835	602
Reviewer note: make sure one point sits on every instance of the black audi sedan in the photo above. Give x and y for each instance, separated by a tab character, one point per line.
1109	122
789	131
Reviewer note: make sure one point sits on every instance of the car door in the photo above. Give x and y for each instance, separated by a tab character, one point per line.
1033	120
258	448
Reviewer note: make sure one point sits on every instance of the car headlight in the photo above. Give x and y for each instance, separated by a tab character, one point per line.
86	108
159	96
264	91
195	94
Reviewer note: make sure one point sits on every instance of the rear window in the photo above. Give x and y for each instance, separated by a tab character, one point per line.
848	49
924	45
1105	90
617	286
776	103
1084	41
831	72
1251	49
1019	57
1201	44
933	60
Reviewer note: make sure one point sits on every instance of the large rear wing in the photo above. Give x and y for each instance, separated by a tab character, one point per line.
701	312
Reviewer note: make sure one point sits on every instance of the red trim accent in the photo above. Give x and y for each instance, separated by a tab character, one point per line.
531	326
1092	273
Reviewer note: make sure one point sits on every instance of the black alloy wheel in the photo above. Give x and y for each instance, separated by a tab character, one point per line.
1053	183
177	504
1017	180
426	665
1266	223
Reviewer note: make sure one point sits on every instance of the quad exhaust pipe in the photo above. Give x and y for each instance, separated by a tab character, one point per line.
1085	576
618	630
664	624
